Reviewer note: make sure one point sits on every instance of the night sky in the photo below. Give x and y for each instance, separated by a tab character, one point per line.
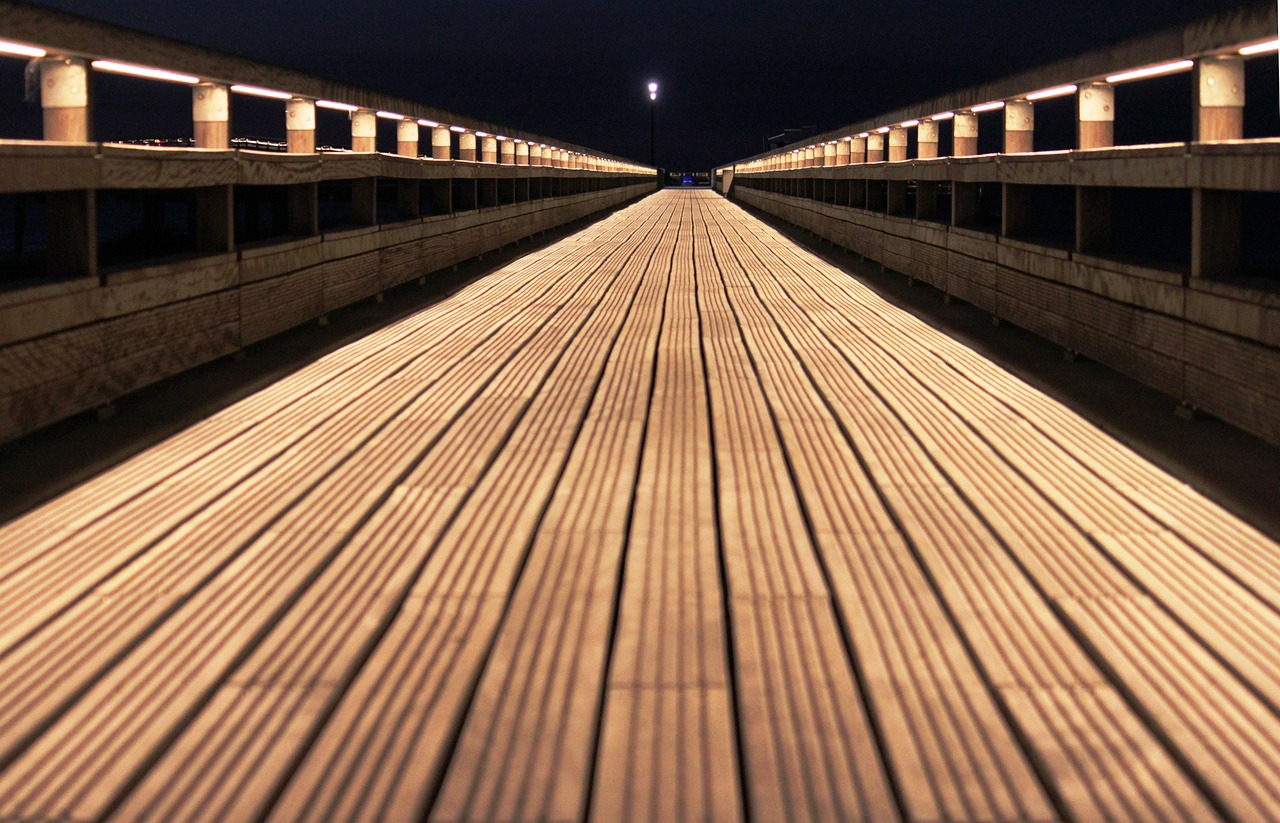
731	72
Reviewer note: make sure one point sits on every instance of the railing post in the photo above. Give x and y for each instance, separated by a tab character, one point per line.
214	207
364	190
897	144
1097	115
211	115
489	149
467	145
964	134
407	138
300	126
408	192
964	142
441	143
1019	137
926	190
64	99
858	150
1215	214
364	130
875	147
896	189
72	215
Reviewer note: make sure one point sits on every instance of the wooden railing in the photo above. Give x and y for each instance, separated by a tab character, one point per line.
130	263
1032	236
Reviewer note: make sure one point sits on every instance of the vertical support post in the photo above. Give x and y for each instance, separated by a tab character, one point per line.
1216	214
300	126
897	144
364	130
858	150
828	154
1019	137
1096	130
1097	116
842	152
1219	98
407	138
73	233
875	147
507	153
214	206
64	99
964	134
522	154
535	154
489	149
964	142
926	190
364	190
408	192
211	115
441	143
467	145
72	215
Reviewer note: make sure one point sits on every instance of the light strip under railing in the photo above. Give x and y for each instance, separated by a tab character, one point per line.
1151	71
112	67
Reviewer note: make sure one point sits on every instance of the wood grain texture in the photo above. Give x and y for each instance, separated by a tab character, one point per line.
667	521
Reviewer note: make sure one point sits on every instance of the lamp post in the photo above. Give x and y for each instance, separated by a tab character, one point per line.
653	122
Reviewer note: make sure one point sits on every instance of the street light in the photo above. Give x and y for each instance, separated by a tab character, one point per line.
653	121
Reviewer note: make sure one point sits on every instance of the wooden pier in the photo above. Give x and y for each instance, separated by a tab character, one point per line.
670	520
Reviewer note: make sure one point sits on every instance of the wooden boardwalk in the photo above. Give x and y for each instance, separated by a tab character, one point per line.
668	521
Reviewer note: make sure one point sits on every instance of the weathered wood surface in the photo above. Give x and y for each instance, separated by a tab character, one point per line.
1207	344
65	348
668	521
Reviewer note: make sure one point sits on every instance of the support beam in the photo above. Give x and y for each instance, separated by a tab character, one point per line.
211	115
441	143
1097	114
875	147
927	139
897	144
300	126
64	99
407	138
1219	98
964	142
1019	136
364	130
1215	233
858	150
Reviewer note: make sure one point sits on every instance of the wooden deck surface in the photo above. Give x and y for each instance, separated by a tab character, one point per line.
668	521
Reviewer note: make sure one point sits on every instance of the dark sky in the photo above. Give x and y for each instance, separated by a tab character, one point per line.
731	72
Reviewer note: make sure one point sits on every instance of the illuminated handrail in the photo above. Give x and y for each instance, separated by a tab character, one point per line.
1216	46
69	46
